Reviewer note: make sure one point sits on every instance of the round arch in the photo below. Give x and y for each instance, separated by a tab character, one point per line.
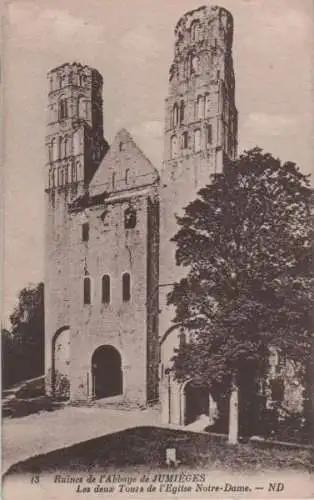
107	373
60	363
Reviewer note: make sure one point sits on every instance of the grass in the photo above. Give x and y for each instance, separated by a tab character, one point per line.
145	447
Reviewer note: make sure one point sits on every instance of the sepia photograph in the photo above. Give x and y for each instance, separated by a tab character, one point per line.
157	229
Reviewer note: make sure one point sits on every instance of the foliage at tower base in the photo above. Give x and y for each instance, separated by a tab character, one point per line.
23	344
246	245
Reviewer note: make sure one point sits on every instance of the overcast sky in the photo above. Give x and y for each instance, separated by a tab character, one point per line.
131	43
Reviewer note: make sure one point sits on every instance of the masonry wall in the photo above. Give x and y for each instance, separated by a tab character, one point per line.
111	250
200	125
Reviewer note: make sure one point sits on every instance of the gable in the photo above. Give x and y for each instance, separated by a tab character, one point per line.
124	167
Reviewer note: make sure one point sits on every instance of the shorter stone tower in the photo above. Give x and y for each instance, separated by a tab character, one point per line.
75	147
102	247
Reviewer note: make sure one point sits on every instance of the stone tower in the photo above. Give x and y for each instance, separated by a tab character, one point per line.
102	248
75	147
200	130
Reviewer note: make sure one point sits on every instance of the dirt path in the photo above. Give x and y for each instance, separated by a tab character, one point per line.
44	432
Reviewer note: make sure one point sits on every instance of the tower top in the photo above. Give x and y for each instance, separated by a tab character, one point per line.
75	74
198	27
201	13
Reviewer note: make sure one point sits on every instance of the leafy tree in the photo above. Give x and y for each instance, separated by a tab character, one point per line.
246	245
23	345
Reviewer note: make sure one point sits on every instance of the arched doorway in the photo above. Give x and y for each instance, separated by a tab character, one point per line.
60	377
196	401
106	372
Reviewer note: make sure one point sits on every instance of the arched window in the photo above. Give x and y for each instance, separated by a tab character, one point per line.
105	289
197	141
76	143
182	339
87	289
73	172
78	171
126	175
66	174
129	218
181	114
175	115
173	146
200	107
194	64
65	147
209	135
195	31
63	108
61	150
126	287
81	108
185	137
61	176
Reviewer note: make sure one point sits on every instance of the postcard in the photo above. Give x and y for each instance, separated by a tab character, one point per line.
157	334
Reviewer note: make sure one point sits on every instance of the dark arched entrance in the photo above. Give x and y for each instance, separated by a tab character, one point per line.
196	401
106	372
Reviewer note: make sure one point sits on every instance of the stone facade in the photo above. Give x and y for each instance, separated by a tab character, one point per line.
102	244
109	330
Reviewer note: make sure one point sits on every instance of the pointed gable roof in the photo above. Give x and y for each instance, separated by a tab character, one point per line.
124	167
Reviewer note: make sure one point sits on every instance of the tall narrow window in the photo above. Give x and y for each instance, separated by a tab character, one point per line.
50	153
197	141
85	231
63	109
194	64
195	31
209	135
61	151
207	105
126	178
200	107
181	114
66	174
105	289
126	287
175	114
185	137
65	147
73	172
113	180
87	289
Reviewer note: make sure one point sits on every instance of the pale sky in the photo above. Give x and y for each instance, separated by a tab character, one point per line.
131	43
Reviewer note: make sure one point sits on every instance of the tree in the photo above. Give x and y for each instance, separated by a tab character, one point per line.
246	245
23	345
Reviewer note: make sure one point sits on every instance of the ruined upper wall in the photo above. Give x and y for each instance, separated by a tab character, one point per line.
208	29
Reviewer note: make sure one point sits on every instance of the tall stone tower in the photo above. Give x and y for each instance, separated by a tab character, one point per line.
200	129
75	147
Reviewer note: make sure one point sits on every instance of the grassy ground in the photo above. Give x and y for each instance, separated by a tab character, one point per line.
145	447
